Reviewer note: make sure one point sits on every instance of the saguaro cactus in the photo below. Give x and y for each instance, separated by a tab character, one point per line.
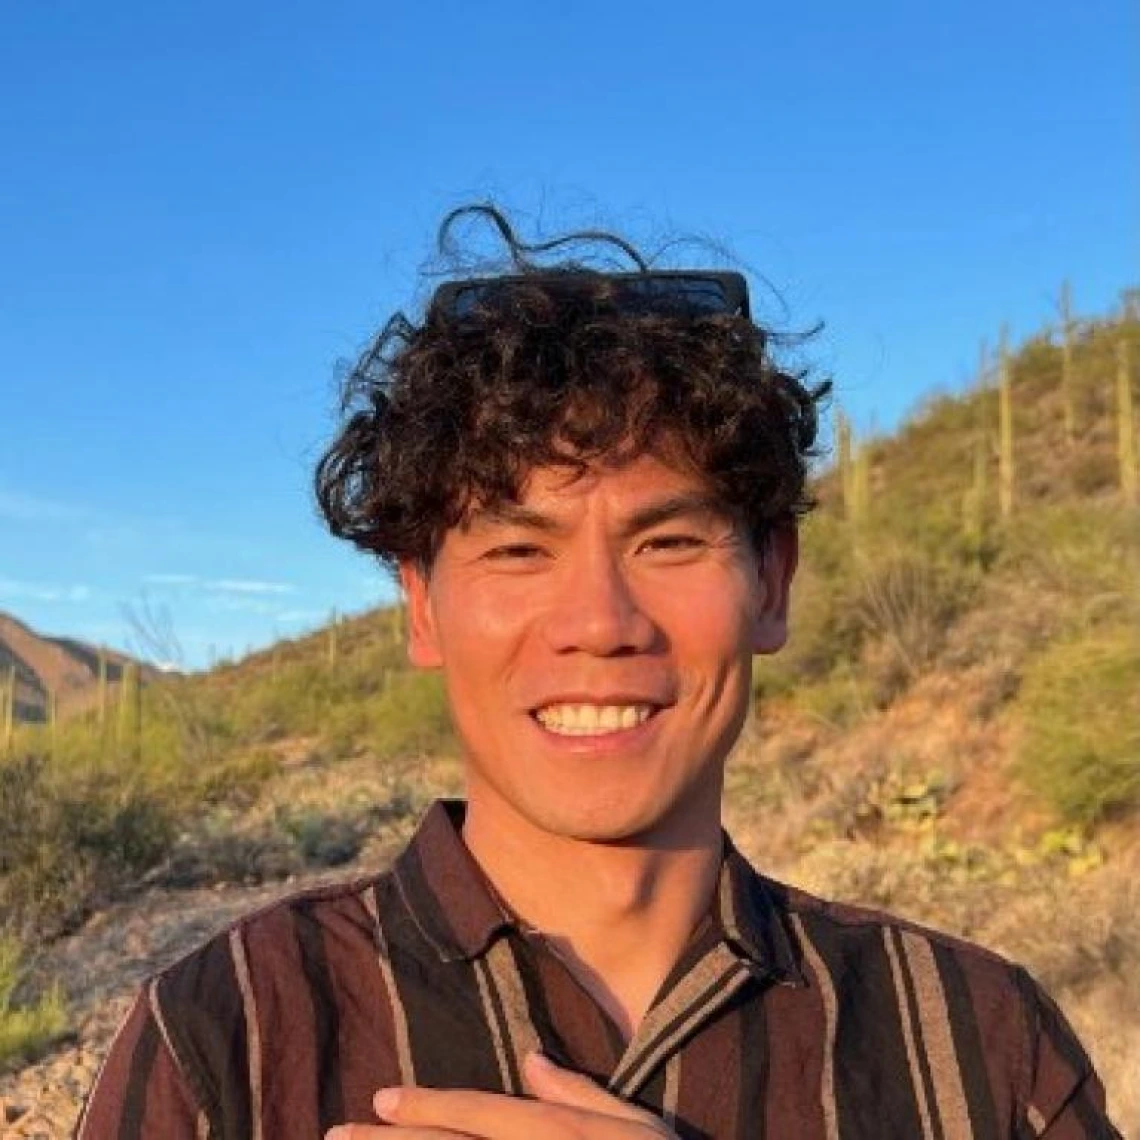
861	485
53	723
8	705
102	688
843	460
123	706
332	643
1068	402
1125	425
396	620
138	694
974	501
1005	428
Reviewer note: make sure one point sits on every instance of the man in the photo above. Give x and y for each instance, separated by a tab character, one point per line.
589	485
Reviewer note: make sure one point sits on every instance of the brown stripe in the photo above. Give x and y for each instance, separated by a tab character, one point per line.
1064	1088
680	999
151	994
114	1067
366	1032
728	906
1001	1030
504	974
491	1013
967	1028
159	1019
909	1031
252	1031
205	1022
290	1092
570	1024
938	1038
395	1002
831	1025
712	982
709	1076
139	1076
672	1090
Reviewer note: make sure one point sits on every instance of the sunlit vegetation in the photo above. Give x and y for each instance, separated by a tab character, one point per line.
26	1028
997	532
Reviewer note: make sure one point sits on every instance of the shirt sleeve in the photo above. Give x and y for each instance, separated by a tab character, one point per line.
140	1091
1065	1098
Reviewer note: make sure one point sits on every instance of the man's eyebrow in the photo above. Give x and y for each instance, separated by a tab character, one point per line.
511	514
686	504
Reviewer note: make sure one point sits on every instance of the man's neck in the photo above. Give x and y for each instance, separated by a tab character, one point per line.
617	914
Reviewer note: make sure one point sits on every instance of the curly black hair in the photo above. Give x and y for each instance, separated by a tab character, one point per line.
558	371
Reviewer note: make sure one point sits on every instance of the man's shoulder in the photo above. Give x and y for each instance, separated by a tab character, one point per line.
275	943
839	932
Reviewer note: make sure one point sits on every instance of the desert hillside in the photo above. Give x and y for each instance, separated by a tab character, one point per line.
953	733
44	677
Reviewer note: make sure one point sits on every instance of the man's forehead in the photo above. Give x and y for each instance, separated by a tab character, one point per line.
645	483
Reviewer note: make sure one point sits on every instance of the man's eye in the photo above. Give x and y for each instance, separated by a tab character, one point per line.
513	551
673	543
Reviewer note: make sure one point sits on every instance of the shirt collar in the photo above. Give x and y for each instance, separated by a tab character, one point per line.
450	899
753	920
459	913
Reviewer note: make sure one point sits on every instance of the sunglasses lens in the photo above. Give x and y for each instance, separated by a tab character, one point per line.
687	294
640	294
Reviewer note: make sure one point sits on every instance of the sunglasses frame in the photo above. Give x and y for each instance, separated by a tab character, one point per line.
734	287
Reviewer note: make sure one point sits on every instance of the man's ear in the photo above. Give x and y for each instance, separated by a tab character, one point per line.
423	639
777	566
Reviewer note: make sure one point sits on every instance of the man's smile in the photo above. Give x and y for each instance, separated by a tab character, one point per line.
588	719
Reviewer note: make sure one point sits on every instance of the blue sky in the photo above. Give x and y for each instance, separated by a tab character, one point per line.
203	207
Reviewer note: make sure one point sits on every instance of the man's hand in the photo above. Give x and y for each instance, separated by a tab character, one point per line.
569	1107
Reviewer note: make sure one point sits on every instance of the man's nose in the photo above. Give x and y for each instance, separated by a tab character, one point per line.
597	610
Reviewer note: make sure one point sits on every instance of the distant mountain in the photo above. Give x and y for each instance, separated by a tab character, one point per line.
62	666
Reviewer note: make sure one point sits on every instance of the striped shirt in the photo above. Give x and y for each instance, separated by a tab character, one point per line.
785	1018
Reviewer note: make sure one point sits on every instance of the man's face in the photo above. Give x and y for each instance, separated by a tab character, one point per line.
596	642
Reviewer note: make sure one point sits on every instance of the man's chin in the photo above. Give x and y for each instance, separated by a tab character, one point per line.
615	824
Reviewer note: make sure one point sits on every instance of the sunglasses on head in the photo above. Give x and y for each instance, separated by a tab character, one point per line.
693	292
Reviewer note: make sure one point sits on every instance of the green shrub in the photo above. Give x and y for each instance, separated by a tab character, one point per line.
68	843
1080	709
906	602
838	700
1081	551
25	1030
410	717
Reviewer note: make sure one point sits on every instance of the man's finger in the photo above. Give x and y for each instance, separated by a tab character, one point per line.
493	1116
388	1132
561	1086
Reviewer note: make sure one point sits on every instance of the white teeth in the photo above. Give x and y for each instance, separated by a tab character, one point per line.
592	720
